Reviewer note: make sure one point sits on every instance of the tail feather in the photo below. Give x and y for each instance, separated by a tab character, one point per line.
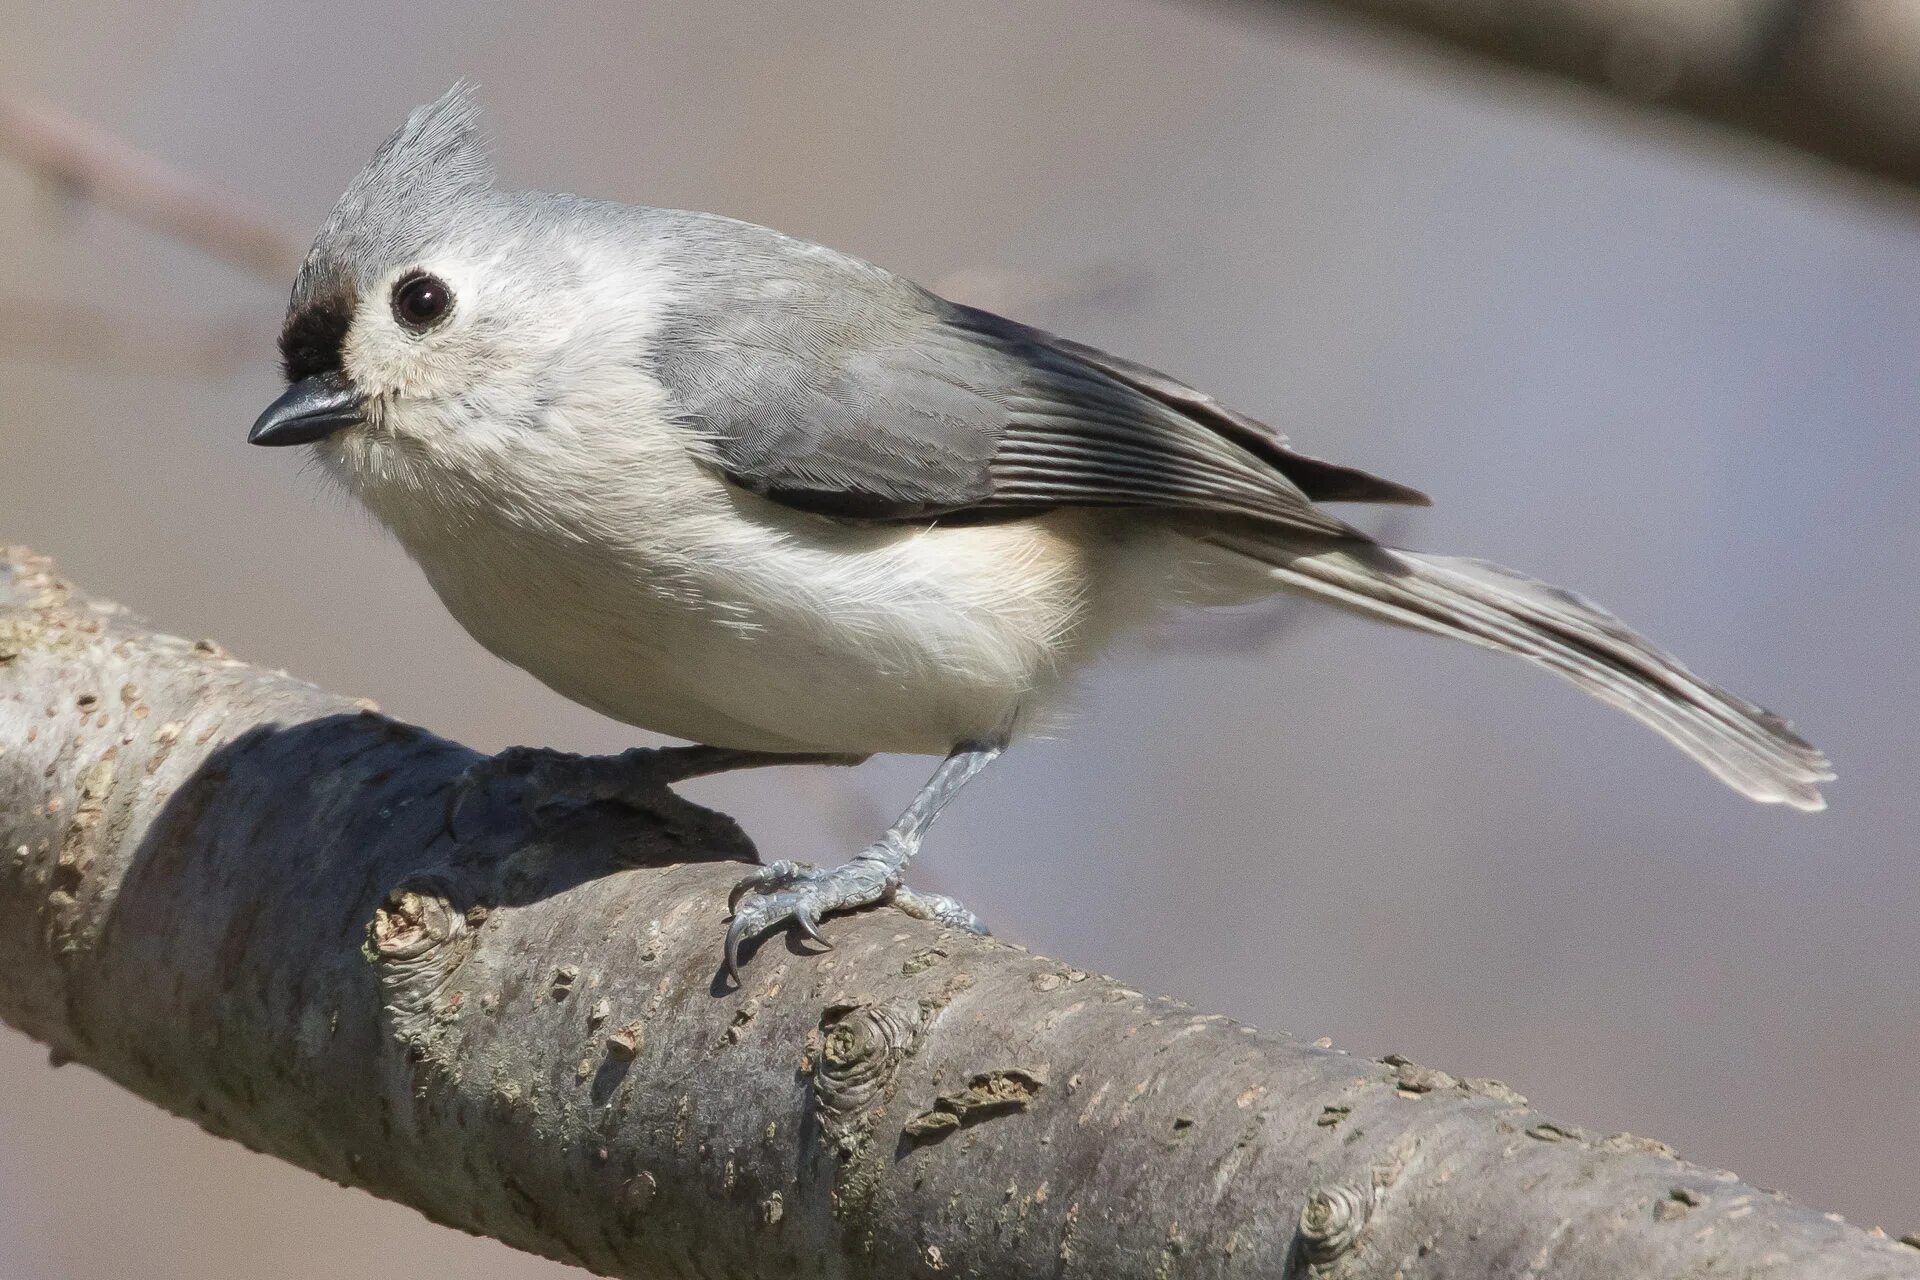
1745	746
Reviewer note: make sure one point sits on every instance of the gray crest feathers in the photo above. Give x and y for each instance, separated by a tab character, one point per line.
441	144
405	198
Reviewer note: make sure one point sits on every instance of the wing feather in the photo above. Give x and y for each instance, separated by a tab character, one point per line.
831	386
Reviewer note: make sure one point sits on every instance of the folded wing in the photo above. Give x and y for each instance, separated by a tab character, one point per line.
835	388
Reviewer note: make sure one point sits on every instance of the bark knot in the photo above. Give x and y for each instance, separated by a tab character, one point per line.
862	1047
413	921
1332	1221
417	941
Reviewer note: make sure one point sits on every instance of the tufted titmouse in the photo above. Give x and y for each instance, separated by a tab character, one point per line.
744	490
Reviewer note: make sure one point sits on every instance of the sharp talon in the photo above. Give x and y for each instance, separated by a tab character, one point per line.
809	925
745	886
736	934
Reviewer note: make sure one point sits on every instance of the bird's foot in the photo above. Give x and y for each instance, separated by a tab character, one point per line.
800	894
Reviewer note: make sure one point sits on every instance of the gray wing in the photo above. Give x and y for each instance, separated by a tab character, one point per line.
831	386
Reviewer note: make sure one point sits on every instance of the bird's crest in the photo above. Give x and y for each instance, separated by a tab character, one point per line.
406	197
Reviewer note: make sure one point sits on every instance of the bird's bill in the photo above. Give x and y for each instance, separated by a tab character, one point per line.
311	409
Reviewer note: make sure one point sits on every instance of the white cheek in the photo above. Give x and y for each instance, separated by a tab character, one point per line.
512	376
381	359
389	361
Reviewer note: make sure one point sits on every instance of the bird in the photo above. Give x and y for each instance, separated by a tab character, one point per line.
735	488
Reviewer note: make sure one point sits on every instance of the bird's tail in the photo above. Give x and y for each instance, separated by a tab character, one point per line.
1745	746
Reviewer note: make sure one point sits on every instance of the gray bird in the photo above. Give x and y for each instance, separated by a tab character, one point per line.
743	490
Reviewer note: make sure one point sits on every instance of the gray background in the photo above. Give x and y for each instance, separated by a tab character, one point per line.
1675	373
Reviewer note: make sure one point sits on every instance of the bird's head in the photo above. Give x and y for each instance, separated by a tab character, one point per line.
427	323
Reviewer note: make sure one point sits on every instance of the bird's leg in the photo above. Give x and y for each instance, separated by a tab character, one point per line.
794	892
633	777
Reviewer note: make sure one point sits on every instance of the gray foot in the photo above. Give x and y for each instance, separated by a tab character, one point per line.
799	894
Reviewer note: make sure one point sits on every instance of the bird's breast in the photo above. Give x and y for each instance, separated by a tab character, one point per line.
689	608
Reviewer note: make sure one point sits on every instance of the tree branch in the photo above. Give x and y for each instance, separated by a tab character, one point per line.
89	163
83	162
238	896
1837	78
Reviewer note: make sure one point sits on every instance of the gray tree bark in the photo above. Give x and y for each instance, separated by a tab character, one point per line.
240	897
1837	78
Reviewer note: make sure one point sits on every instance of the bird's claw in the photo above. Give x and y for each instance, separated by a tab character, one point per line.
775	875
799	894
783	893
809	925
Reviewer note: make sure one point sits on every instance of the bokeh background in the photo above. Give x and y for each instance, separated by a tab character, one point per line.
1674	372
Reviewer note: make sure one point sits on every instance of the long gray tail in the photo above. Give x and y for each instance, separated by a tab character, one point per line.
1745	746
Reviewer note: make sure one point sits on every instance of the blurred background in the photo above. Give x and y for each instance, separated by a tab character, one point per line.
1673	371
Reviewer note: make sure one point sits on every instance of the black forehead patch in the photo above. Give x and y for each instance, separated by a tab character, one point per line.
313	338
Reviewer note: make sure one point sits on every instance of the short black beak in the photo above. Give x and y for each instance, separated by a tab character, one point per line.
311	409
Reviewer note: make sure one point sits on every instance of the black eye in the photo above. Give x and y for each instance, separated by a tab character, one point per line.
421	301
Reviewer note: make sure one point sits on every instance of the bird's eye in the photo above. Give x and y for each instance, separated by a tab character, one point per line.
421	301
